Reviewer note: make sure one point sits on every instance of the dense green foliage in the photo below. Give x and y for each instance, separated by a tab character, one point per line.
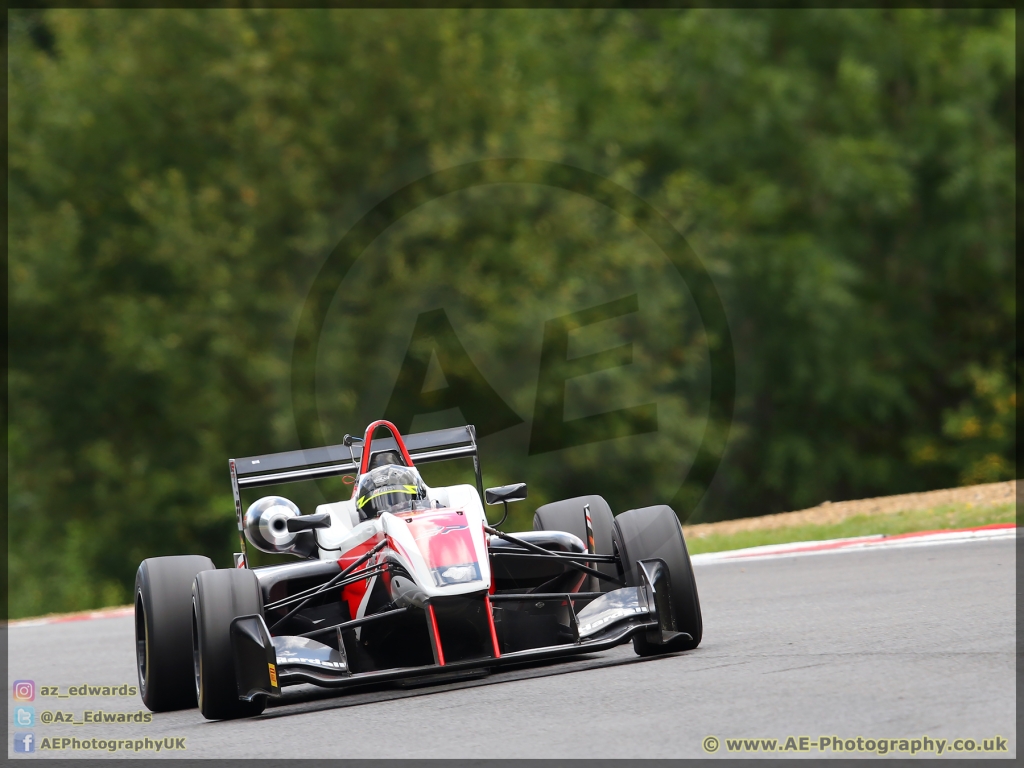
178	178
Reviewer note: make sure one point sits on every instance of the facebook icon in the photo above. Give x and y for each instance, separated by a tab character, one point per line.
24	742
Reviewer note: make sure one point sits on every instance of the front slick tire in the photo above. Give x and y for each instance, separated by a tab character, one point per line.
218	597
654	532
163	630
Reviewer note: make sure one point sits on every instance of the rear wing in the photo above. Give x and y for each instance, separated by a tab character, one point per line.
332	460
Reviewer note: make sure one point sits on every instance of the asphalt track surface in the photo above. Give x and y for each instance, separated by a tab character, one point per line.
894	643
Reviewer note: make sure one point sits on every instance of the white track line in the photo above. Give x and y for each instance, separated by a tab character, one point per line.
859	543
102	613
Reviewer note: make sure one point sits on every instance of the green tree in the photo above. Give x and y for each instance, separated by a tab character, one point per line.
177	178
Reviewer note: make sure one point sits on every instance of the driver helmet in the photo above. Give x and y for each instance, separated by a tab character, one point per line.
390	488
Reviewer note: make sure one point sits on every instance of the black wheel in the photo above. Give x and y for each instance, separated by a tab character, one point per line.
568	516
218	597
655	532
163	630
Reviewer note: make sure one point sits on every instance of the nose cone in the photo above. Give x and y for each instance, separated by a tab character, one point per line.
444	539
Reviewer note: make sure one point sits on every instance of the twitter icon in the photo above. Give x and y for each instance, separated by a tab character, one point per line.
24	717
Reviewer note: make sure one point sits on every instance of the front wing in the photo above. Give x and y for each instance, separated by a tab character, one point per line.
265	664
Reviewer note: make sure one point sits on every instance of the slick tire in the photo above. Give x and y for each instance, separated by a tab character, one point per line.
163	630
568	516
218	597
655	532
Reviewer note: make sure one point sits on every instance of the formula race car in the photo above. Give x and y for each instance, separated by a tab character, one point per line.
403	583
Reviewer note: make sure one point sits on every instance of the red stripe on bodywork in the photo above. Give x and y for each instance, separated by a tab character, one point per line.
494	633
437	636
353	593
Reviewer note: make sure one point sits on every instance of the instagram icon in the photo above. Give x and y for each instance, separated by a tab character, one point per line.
24	690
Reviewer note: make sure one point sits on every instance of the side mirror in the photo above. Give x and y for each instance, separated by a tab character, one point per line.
505	493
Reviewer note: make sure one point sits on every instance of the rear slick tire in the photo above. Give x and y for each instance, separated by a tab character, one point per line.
163	630
568	516
219	597
655	532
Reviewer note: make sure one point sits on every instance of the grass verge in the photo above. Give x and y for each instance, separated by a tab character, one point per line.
937	518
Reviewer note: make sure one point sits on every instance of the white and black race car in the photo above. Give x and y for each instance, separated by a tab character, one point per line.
403	581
